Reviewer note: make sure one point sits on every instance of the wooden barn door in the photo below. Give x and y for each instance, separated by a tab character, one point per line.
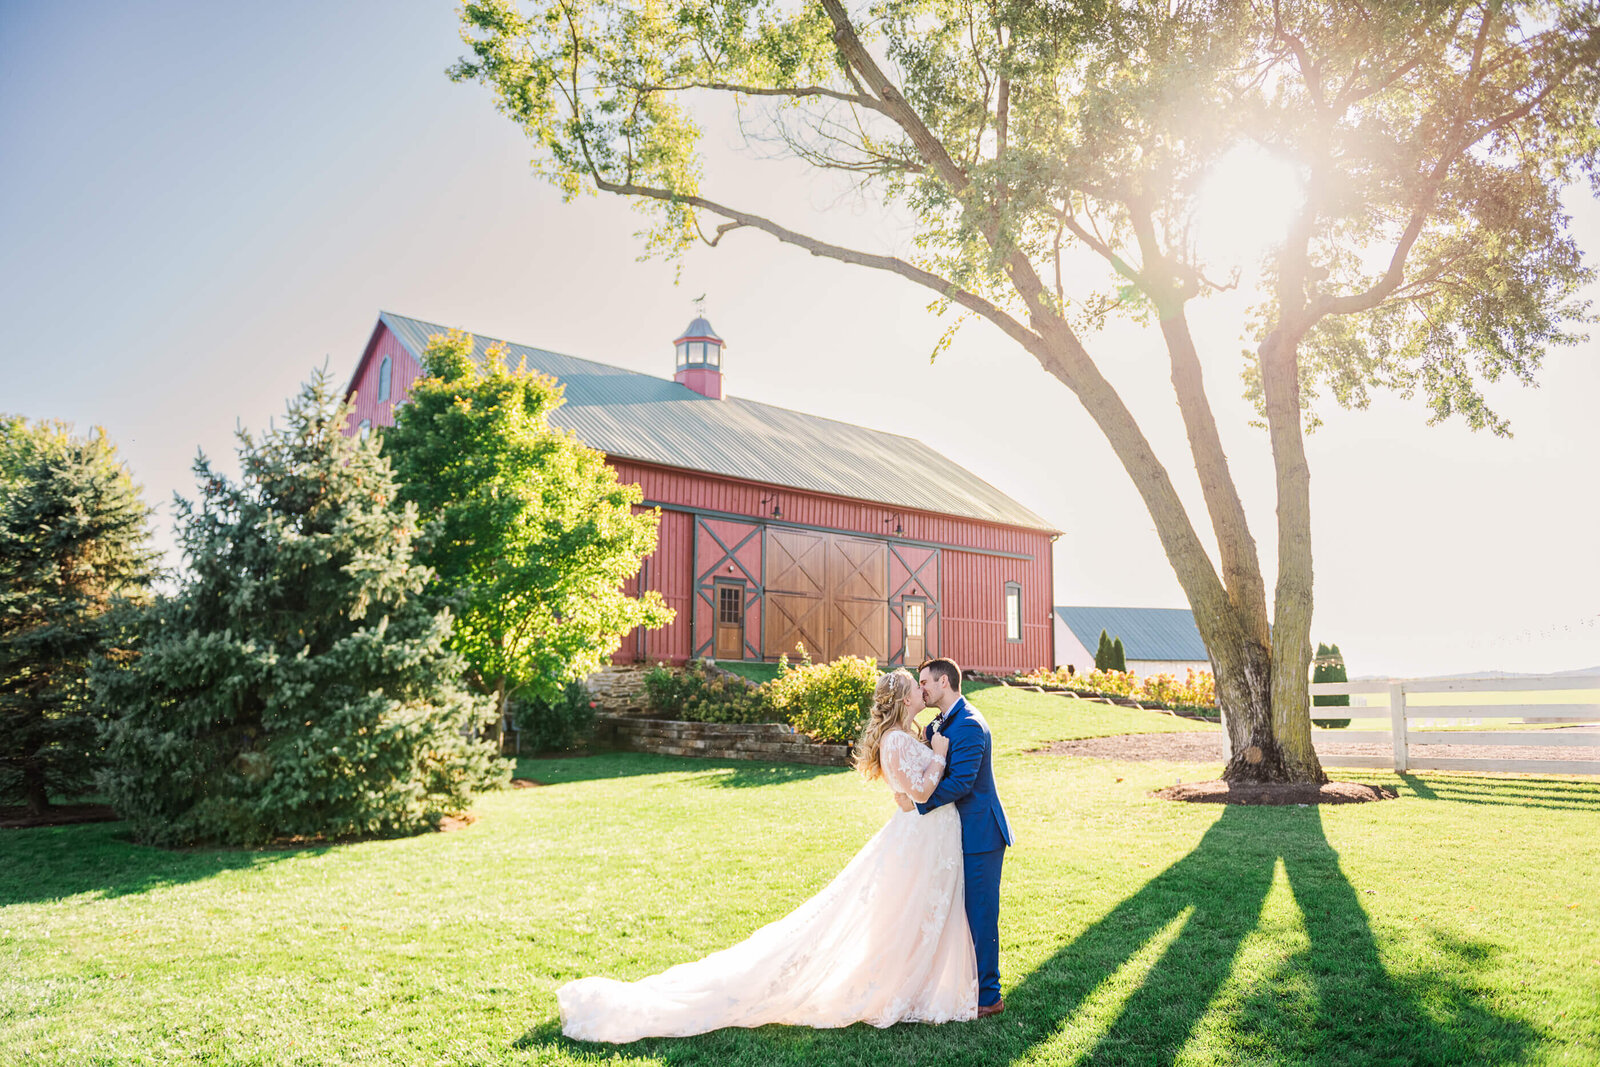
827	592
730	620
858	607
916	647
796	585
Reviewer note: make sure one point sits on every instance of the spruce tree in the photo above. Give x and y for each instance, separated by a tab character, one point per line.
1103	655
1119	659
299	683
530	533
74	540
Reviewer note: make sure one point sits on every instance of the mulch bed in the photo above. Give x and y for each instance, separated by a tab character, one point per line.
1275	793
57	815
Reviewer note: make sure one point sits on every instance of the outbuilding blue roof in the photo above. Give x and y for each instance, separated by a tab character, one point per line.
1147	633
630	415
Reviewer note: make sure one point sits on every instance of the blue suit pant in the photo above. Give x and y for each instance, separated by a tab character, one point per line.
982	873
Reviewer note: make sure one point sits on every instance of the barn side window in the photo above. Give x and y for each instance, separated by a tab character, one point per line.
364	428
385	370
1013	611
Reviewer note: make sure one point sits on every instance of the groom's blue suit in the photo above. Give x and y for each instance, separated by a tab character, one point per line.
969	785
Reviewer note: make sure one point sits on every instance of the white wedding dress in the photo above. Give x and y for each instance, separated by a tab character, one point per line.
885	942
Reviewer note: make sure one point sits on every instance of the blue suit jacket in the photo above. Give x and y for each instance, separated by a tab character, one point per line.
969	781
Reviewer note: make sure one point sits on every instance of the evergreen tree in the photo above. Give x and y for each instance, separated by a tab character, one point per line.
1328	666
74	539
531	535
1104	657
1119	659
299	683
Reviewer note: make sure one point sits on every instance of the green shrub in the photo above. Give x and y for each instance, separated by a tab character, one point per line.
555	726
1329	667
1103	659
700	693
829	701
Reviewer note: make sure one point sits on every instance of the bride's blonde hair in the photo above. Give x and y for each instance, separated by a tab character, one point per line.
889	712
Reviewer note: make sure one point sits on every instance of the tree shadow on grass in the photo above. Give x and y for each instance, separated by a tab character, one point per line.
52	863
1350	1008
728	774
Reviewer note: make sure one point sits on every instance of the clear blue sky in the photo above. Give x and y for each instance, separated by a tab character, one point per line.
199	203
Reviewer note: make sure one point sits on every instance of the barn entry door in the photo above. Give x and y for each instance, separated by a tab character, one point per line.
827	592
730	620
916	647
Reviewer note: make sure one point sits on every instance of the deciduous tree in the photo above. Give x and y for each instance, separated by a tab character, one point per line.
1431	252
531	534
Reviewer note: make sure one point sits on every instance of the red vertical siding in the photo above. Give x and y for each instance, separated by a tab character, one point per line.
730	551
667	570
404	370
966	618
969	623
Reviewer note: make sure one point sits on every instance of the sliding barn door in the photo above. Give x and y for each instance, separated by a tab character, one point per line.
827	592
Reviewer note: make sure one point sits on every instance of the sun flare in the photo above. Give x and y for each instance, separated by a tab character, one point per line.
1244	206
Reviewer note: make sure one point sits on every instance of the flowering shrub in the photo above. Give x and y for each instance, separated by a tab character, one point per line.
699	694
1199	688
829	701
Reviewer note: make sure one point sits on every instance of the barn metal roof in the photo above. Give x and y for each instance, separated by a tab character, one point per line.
638	416
1147	633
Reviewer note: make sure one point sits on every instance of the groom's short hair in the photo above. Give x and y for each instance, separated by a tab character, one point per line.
944	668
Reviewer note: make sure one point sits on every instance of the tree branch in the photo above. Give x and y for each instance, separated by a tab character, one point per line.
798	91
894	265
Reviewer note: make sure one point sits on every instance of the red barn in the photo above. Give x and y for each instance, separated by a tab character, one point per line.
781	528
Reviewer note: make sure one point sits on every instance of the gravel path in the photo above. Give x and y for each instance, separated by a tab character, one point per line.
1206	747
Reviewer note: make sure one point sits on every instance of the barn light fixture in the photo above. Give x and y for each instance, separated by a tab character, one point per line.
898	528
773	500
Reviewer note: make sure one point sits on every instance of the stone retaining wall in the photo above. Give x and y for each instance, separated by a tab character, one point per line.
619	688
770	742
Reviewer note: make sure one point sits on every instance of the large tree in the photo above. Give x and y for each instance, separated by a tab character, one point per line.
74	542
1430	254
529	532
299	682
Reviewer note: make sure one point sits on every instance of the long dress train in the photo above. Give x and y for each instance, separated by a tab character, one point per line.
885	942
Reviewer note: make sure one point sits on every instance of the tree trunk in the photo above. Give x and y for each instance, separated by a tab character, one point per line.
497	731
1291	601
38	799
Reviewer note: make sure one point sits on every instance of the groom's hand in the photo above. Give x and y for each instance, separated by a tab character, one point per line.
904	802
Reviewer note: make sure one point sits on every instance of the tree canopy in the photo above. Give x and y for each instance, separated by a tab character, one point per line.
299	682
529	533
1051	157
74	543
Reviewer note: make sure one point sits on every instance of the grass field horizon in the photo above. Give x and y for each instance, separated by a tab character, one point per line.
1456	924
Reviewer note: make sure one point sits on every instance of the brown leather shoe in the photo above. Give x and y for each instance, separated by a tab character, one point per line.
986	1010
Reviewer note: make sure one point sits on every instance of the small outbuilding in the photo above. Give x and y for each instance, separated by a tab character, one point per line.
781	528
1154	640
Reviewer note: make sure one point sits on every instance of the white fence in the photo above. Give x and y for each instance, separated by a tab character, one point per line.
1469	700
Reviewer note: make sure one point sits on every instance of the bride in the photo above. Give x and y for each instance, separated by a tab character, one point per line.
885	942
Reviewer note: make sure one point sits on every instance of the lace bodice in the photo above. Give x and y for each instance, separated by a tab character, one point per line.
909	766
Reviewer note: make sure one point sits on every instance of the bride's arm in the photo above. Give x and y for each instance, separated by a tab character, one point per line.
901	758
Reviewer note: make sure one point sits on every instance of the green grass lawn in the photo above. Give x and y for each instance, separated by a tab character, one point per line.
1456	925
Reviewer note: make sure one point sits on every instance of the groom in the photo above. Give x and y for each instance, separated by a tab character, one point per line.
969	785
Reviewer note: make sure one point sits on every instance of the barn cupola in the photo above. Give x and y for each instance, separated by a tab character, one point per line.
699	359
